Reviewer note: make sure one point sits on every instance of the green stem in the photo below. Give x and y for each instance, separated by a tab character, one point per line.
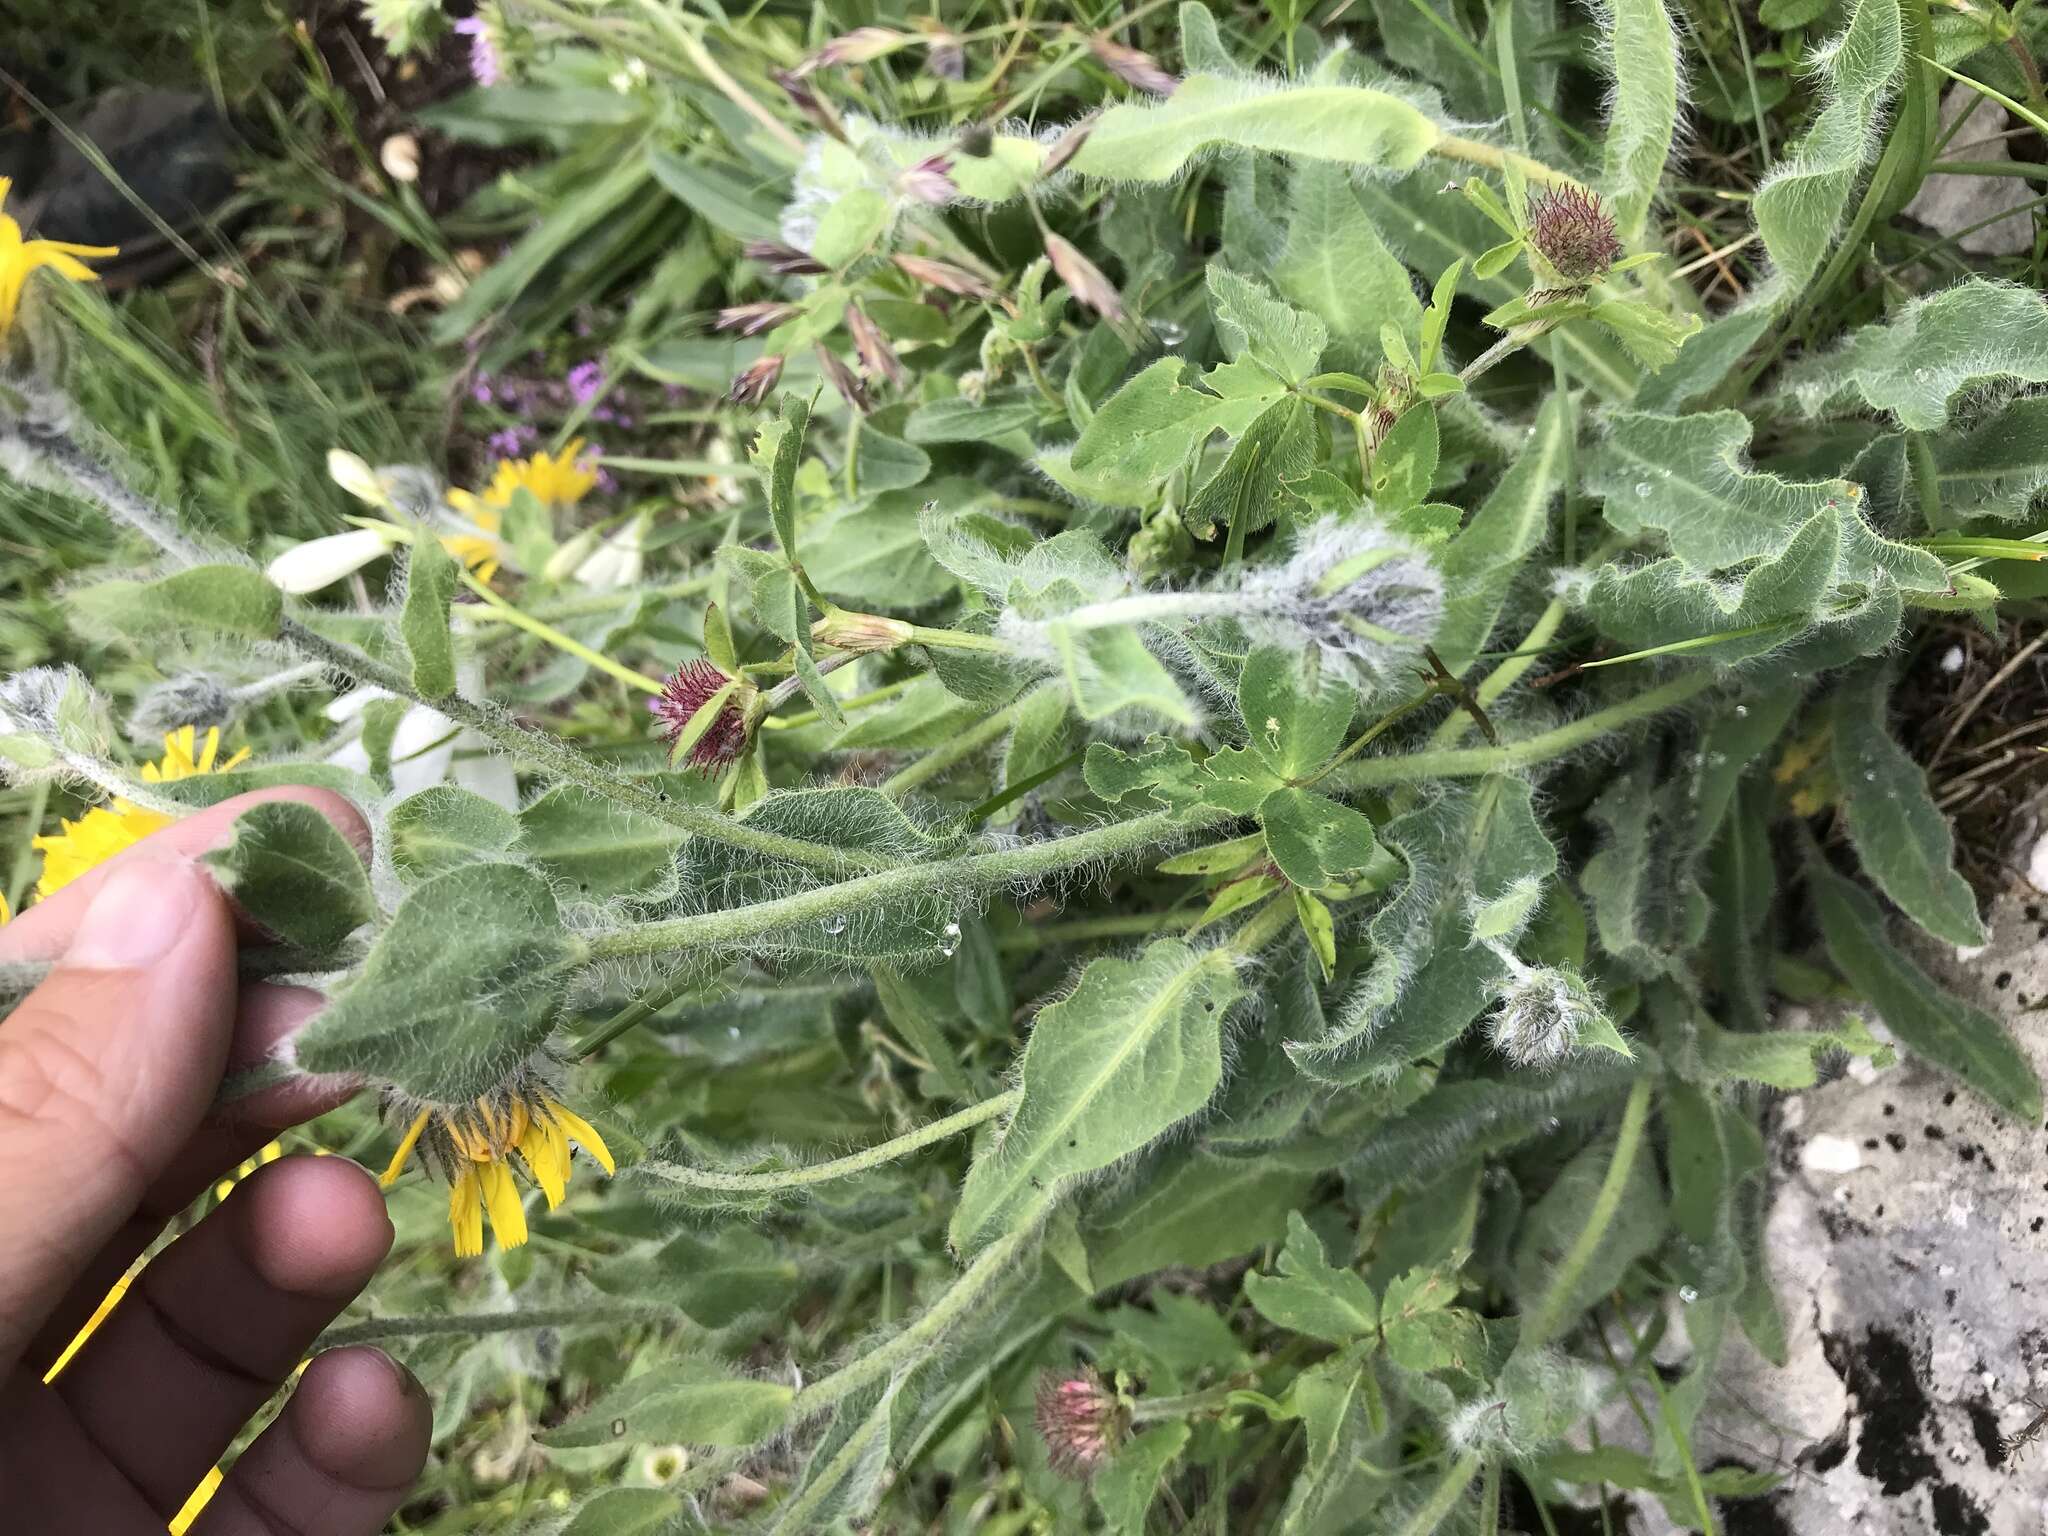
840	1167
379	1329
556	757
962	875
637	1012
1090	929
1494	158
1472	762
1550	1315
567	644
1149	1410
1444	1497
957	640
961	747
1489	1501
916	1341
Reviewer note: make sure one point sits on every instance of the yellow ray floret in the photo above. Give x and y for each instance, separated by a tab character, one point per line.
473	1147
554	480
106	829
19	257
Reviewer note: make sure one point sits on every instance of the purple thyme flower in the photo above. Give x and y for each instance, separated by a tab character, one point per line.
485	67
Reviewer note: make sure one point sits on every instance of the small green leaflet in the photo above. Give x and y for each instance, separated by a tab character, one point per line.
1308	1295
1642	61
691	1402
430	583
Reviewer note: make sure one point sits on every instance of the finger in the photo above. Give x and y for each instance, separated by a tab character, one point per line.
340	1459
227	1136
47	1473
106	1070
45	930
220	1318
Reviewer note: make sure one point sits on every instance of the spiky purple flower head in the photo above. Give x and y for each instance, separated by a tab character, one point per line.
688	689
1572	230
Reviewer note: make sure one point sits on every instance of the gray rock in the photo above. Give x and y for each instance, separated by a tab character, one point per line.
1947	204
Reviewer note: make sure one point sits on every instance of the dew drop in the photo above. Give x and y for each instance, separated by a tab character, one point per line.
1688	1295
1742	711
618	1427
1643	487
835	924
1870	775
1170	332
949	940
1554	1124
1921	375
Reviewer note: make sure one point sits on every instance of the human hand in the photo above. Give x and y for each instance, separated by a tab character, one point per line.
108	1073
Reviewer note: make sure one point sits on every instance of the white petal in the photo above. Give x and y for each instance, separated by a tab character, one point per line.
321	562
352	474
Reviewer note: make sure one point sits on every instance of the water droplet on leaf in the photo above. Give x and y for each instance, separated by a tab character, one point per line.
835	924
1643	487
949	940
1688	1295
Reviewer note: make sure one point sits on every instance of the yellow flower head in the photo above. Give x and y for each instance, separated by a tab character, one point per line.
19	257
472	1147
554	480
106	829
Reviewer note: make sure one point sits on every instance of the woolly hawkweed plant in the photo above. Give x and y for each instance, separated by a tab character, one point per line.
1152	824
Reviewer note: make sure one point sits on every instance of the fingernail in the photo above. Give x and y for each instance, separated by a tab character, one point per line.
137	916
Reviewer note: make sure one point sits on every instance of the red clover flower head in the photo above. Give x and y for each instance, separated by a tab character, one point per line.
1081	1421
1572	230
688	689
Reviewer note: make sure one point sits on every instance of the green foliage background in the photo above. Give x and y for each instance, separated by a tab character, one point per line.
1299	756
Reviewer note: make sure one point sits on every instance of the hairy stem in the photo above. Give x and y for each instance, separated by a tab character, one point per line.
839	1167
1443	1498
379	1329
554	756
1549	1318
916	1340
961	747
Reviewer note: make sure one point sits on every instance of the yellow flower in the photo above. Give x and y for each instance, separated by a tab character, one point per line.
19	257
471	1146
554	480
105	830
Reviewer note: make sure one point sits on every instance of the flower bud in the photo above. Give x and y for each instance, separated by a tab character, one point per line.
753	319
1084	278
755	381
842	378
1066	146
1132	66
860	46
930	181
786	259
354	475
1081	1421
943	274
861	632
320	563
877	357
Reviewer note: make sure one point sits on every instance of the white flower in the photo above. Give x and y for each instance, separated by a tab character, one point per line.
426	749
321	562
617	562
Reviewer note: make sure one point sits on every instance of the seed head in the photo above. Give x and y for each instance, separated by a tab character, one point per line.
860	46
943	274
1081	1420
1540	1016
688	689
191	698
1367	601
1572	230
755	381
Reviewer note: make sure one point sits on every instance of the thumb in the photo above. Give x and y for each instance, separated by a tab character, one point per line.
105	1071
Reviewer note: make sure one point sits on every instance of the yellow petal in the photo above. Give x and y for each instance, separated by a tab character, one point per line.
586	1135
466	1214
405	1146
546	1151
501	1197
